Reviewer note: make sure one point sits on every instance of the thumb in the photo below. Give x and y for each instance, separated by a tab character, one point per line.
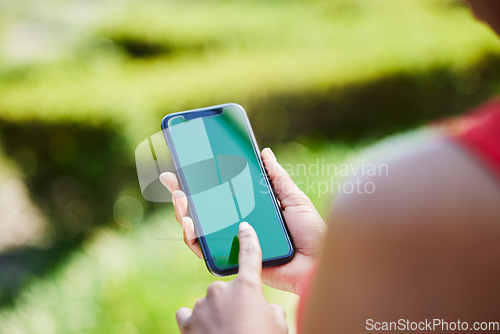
287	192
250	257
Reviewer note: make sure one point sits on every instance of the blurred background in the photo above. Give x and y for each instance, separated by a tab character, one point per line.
83	82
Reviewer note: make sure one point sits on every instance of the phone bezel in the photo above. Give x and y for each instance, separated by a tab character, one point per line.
207	112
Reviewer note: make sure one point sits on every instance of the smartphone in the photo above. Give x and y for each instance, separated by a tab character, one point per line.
220	169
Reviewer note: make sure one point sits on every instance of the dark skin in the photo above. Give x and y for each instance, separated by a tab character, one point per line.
425	245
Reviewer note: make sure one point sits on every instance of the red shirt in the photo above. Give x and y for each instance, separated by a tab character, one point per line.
479	133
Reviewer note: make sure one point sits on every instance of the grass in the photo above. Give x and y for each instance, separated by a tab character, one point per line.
133	281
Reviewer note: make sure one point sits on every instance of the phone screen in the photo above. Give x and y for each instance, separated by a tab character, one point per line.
227	185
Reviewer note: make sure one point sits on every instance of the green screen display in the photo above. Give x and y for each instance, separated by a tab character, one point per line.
226	185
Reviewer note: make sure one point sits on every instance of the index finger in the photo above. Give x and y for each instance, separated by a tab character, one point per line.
250	257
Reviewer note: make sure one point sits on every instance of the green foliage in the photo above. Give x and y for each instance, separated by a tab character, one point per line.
144	60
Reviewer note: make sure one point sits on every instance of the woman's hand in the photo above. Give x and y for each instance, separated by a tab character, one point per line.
304	223
238	306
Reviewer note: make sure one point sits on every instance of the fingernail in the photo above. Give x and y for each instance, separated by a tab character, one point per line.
164	178
244	226
169	175
271	153
170	180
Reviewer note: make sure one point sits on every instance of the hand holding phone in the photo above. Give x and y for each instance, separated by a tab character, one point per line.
304	224
220	171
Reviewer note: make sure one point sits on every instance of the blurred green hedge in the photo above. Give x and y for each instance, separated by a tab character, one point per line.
141	60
